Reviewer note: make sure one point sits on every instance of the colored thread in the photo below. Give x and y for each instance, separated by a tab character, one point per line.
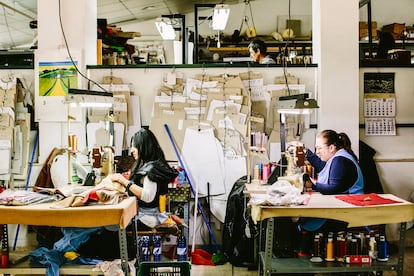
330	250
382	250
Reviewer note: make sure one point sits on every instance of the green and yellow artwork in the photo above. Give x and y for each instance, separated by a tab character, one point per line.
55	78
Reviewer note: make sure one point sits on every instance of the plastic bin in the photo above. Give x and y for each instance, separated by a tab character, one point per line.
164	269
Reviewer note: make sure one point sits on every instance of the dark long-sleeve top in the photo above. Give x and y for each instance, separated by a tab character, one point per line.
342	174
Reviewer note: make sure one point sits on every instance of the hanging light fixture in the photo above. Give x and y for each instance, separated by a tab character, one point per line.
89	98
165	28
221	14
296	104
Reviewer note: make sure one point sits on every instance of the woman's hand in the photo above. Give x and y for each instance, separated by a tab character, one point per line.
120	179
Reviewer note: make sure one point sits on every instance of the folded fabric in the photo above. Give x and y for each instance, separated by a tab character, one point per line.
366	199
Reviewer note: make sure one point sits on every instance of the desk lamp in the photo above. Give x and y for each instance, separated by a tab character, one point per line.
298	104
84	99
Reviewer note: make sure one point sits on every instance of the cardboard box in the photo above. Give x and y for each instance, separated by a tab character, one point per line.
6	120
6	136
395	29
363	30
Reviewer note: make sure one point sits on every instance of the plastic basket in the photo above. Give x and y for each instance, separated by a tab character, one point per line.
164	269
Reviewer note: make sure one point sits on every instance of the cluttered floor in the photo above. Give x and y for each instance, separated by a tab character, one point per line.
228	269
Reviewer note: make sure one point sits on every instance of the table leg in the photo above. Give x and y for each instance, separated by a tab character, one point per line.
123	251
401	249
267	266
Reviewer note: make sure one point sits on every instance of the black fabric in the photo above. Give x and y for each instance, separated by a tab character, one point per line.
159	172
104	245
239	248
372	183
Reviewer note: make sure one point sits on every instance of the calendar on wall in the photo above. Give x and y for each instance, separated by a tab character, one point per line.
379	104
380	126
379	107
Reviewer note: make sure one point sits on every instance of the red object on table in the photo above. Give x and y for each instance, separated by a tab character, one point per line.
366	199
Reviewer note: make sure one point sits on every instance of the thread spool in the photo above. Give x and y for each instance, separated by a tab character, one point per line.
382	250
373	250
73	142
256	172
341	248
316	255
266	171
330	250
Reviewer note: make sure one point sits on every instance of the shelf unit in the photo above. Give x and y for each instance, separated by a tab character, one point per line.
275	48
270	265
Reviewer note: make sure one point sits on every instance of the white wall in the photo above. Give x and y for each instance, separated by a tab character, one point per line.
395	154
386	12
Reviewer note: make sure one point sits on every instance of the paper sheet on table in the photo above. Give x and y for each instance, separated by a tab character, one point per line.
203	159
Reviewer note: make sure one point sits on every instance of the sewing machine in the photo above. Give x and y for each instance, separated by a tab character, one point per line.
102	161
295	161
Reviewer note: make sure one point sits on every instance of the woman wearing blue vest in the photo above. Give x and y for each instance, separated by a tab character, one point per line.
338	173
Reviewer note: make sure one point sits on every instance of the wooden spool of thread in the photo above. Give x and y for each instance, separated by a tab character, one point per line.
73	143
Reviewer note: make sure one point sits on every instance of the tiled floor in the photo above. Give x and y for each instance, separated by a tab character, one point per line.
228	269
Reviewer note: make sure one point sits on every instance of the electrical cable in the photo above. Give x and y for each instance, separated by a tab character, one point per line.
70	55
284	55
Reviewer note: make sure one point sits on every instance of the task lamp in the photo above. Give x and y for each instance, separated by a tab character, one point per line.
86	99
296	104
165	28
299	104
221	14
89	98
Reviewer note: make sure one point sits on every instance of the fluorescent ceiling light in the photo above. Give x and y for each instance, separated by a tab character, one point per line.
165	28
220	16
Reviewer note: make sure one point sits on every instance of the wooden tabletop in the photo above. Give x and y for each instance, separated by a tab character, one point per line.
328	206
85	216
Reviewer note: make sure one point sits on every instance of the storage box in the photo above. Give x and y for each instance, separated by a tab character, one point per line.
363	30
399	56
164	269
395	29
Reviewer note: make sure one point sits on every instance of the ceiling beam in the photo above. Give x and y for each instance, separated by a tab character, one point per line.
17	11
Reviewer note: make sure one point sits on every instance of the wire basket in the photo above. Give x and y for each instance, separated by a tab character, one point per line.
164	269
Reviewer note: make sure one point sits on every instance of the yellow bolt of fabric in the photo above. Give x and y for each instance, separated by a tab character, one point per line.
163	203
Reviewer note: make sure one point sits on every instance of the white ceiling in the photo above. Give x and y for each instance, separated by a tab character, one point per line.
15	15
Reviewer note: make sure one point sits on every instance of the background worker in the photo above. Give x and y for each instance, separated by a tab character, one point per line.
258	52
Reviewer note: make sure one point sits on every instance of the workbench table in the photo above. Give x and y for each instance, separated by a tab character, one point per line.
327	206
85	216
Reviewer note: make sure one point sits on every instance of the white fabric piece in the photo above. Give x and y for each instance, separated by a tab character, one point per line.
59	171
149	220
149	190
234	168
281	193
203	159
